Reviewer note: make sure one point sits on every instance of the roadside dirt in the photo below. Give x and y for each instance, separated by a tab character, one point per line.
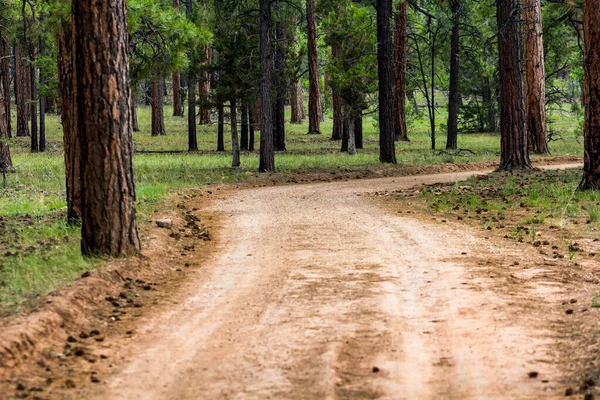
320	291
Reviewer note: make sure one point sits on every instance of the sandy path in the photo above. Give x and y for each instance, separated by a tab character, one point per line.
313	287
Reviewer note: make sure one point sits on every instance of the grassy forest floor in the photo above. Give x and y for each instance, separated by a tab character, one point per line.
40	252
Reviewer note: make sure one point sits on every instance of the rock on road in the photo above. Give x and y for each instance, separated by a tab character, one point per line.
315	292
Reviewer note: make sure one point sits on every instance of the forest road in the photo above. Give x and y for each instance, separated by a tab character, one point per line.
316	292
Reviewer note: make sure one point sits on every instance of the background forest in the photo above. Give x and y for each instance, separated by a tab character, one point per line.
195	73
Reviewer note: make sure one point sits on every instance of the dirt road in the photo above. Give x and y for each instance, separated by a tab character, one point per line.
316	292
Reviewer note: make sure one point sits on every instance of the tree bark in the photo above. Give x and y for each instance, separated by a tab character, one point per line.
6	164
221	128
591	95
245	127
401	46
535	72
21	93
235	144
68	112
387	147
513	152
5	80
204	87
351	136
358	131
252	128
454	94
42	101
177	106
158	112
35	146
314	94
336	99
191	83
280	89
267	152
176	76
297	103
109	225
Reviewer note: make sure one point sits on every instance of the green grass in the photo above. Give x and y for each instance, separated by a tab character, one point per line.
39	252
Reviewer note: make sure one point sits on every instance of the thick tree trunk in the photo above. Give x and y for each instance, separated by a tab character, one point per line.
387	147
5	79
314	91
245	127
400	48
351	136
204	87
280	89
267	152
513	153
297	103
109	225
21	93
257	113
68	112
591	95
358	131
336	99
235	143
158	112
535	72
221	128
345	130
454	94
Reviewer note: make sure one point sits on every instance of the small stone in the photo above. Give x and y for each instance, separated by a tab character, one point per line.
375	370
569	392
164	223
94	379
20	386
71	339
533	374
86	274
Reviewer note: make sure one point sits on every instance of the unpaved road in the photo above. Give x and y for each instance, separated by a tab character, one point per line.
316	292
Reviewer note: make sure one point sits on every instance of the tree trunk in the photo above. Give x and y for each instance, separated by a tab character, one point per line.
297	103
314	94
5	80
204	87
221	128
336	99
35	146
42	101
134	115
280	89
489	101
158	112
387	147
21	93
235	144
267	153
252	128
513	152
358	131
591	95
400	48
244	132
177	106
191	84
345	138
454	95
109	225
5	160
535	72
351	137
68	112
